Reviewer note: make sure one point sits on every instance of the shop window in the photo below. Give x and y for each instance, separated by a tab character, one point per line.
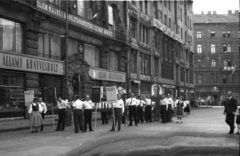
113	60
91	55
11	36
11	90
145	87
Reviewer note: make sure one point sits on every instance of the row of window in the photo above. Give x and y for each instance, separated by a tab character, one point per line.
226	78
226	63
225	34
226	48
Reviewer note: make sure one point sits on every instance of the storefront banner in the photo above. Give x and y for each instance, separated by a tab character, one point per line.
156	89
74	19
96	94
107	75
28	97
24	63
111	93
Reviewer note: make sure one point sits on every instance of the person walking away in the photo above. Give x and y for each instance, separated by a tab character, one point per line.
170	107
238	120
44	110
230	110
179	109
118	108
148	109
78	106
88	113
35	117
132	106
69	114
187	108
164	108
62	105
141	102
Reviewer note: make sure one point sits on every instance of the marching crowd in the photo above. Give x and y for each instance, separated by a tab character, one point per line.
132	109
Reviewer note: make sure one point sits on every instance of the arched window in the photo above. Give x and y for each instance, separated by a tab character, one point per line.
213	63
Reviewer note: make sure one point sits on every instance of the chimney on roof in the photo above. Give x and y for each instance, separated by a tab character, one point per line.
229	11
202	12
209	12
236	11
214	12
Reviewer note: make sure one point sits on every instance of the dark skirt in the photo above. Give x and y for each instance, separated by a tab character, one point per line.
187	109
238	119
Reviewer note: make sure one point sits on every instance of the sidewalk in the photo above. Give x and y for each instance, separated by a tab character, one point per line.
21	124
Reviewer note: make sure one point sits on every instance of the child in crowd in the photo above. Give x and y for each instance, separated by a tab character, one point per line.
179	109
238	120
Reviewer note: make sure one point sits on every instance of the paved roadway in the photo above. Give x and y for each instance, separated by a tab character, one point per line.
203	133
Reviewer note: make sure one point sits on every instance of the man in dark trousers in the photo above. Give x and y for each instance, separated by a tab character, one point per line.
62	105
132	105
230	105
78	115
164	108
141	102
44	110
88	113
170	108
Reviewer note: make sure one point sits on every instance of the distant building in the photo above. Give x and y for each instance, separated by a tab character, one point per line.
216	46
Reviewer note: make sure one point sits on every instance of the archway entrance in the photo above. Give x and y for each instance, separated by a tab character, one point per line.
75	84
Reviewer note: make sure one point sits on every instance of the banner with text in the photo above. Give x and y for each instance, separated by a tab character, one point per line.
111	94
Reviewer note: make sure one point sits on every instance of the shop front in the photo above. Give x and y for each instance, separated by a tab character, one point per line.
19	73
169	89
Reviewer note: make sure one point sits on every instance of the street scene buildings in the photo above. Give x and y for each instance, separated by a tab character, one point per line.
145	47
216	44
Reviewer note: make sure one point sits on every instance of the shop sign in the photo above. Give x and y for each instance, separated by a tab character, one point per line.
107	75
56	11
23	63
168	86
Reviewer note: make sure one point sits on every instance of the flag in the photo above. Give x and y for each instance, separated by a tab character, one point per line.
94	16
234	68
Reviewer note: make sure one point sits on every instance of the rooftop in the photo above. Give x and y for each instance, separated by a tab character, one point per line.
216	18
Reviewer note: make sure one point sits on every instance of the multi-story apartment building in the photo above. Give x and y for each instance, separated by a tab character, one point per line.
216	40
73	45
161	34
62	44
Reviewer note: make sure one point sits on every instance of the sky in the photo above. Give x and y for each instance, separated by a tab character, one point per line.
221	6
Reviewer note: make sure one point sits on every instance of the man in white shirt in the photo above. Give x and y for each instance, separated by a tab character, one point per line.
44	110
118	108
78	114
132	105
141	102
148	109
88	113
164	107
62	105
170	107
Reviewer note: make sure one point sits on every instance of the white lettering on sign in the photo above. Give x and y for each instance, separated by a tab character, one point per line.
72	18
107	75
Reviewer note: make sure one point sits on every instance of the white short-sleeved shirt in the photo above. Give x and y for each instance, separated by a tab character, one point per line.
88	104
78	104
132	102
119	104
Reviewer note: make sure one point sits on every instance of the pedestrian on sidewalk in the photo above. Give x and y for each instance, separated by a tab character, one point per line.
132	107
35	117
230	109
69	114
179	109
169	102
238	120
44	110
164	108
187	108
78	106
118	110
62	105
148	108
141	102
88	113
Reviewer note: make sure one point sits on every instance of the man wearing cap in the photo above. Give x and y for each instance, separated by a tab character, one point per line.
132	105
169	102
118	110
78	114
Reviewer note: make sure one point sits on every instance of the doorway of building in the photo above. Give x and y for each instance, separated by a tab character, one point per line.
75	84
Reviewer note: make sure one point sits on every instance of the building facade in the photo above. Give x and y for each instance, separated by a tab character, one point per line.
216	42
161	50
